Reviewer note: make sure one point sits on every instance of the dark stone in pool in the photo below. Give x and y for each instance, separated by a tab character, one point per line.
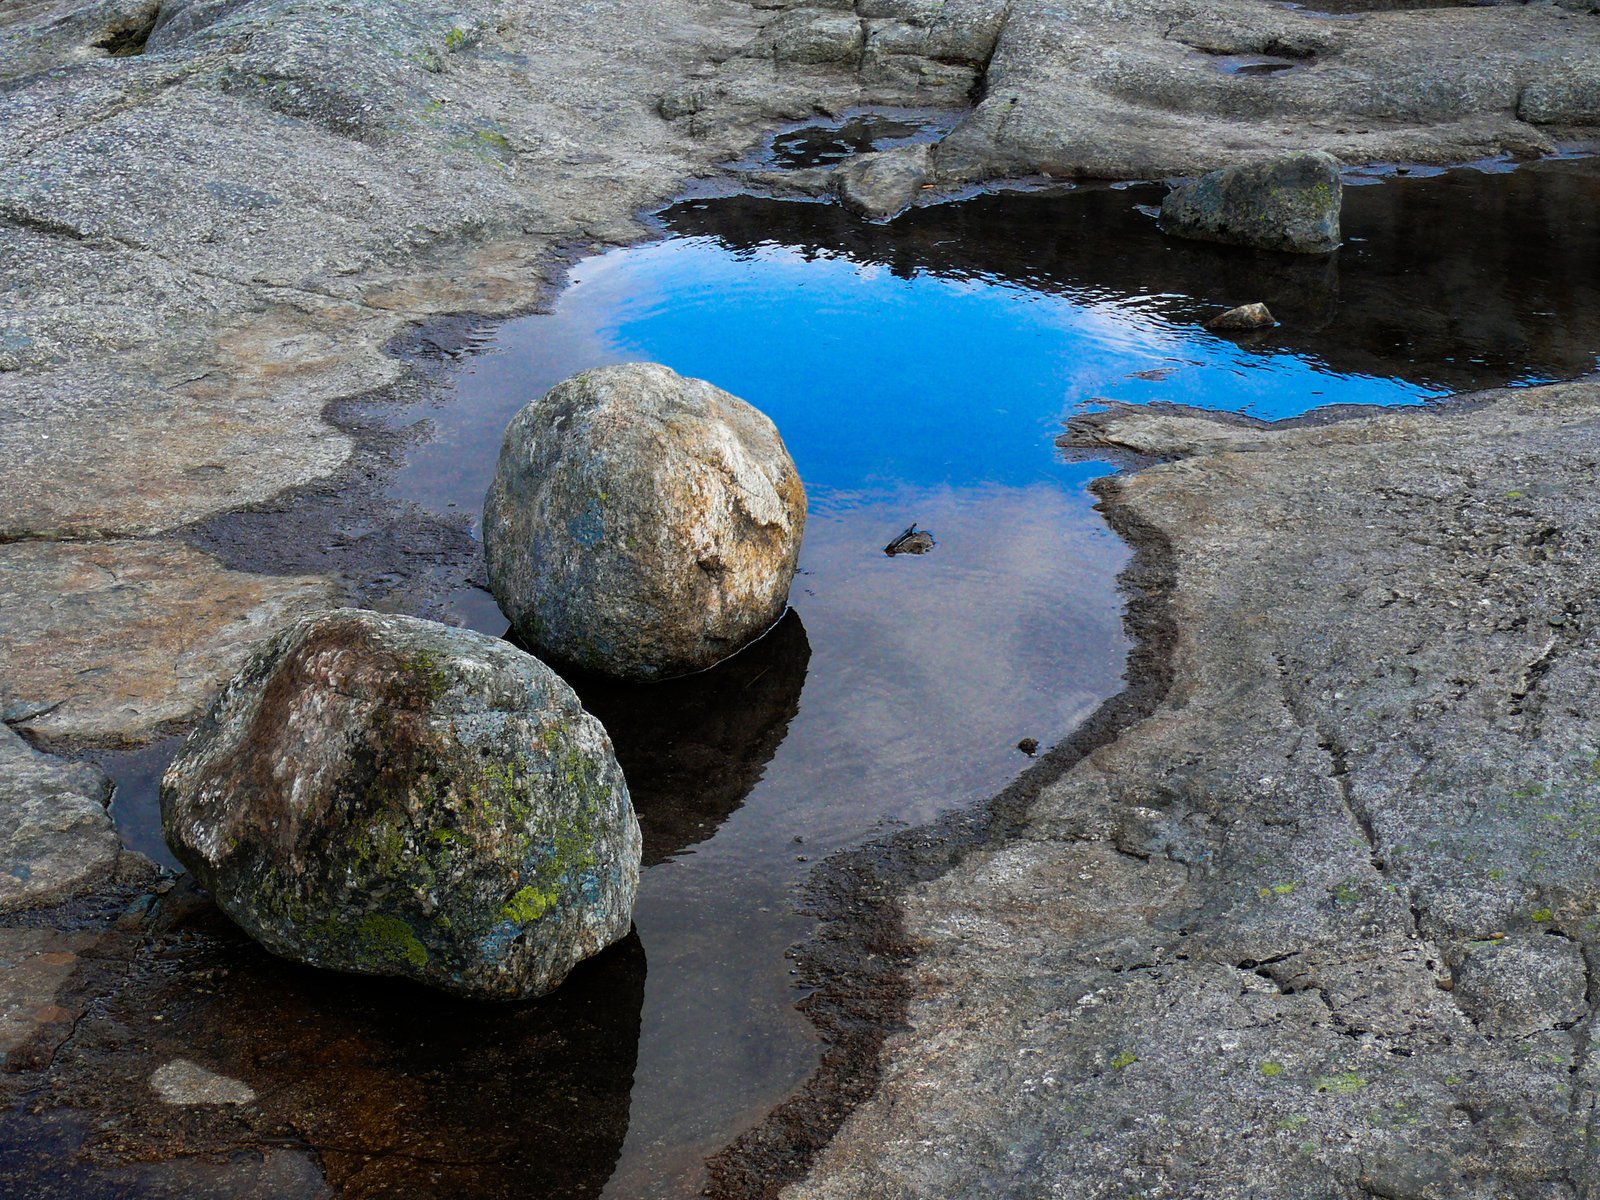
1246	316
1291	203
912	541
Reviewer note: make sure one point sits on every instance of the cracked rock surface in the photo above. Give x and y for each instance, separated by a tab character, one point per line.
1154	88
1323	923
56	841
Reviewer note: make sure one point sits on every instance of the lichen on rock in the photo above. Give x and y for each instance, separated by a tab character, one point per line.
1290	203
389	796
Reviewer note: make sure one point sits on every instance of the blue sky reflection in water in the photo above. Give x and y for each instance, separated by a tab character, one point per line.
921	373
923	672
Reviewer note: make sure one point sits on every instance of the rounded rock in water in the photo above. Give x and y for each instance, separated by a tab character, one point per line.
642	524
390	796
1291	203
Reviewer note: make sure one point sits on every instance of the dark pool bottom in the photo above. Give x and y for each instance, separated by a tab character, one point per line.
918	372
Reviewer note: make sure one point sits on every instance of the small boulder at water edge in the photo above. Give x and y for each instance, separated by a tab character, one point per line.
1246	316
1290	203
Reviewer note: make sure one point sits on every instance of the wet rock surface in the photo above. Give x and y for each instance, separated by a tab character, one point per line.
388	796
361	1087
641	524
216	221
1325	916
56	841
1289	204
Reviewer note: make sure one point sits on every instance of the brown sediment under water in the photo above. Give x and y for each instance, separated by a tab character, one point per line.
919	372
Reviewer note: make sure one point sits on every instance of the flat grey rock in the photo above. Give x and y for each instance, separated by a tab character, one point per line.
56	838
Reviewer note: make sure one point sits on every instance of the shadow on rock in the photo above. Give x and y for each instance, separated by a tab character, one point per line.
350	1087
693	748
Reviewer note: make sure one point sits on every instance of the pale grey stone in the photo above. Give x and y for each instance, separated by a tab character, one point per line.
181	1082
883	185
641	523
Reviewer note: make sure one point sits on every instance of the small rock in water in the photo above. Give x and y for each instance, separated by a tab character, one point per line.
642	524
912	541
1246	316
181	1082
882	185
390	796
1290	203
1029	746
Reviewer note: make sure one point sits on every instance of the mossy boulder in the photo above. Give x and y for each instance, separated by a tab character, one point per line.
641	524
1290	203
390	796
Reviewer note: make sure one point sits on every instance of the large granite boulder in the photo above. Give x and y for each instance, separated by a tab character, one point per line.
641	524
390	796
1290	203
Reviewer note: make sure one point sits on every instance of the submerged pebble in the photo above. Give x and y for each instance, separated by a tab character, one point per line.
183	1083
912	541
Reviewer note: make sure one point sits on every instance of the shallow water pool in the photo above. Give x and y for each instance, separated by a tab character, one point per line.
919	372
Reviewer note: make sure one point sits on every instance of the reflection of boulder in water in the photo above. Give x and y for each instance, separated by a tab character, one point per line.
692	749
1434	273
397	1091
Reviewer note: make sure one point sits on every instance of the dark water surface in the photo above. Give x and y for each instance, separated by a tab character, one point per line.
920	372
857	131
